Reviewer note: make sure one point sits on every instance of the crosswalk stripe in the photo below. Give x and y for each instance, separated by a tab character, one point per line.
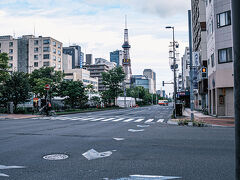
128	120
98	119
160	120
86	119
139	120
149	120
116	120
109	119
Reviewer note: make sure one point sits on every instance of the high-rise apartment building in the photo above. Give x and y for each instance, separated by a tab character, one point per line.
9	45
77	55
200	52
89	59
220	58
117	57
151	75
28	52
101	65
43	52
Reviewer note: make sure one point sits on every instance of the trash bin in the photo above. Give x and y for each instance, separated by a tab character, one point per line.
179	109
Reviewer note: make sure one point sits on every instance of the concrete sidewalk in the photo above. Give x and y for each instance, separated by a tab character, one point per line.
17	116
215	121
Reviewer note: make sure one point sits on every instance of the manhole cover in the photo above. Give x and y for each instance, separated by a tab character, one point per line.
53	157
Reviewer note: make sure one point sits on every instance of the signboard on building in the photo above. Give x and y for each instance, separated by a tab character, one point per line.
196	59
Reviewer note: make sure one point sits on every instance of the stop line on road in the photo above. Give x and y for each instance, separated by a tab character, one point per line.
102	119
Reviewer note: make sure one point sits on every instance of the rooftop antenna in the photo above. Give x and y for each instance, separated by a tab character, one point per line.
34	31
125	21
14	34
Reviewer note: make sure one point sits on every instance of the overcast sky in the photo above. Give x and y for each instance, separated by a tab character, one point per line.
97	25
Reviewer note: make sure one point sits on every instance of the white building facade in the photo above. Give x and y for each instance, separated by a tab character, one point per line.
220	58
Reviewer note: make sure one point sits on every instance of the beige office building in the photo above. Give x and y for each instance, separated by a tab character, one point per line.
28	52
9	45
44	52
81	75
220	58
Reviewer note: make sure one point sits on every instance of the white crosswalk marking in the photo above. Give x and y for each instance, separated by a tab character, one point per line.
149	120
98	119
116	120
139	120
109	119
128	120
160	120
86	119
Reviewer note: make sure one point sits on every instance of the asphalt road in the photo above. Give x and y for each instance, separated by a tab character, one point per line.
160	149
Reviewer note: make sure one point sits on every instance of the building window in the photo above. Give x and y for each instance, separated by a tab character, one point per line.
10	51
225	55
54	65
35	42
212	60
10	65
59	52
10	58
54	51
35	64
36	49
54	58
46	56
224	19
46	41
54	43
35	57
46	49
59	59
10	44
59	46
59	66
45	63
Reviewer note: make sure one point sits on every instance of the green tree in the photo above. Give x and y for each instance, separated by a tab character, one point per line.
112	81
16	89
4	75
45	75
96	100
141	93
74	93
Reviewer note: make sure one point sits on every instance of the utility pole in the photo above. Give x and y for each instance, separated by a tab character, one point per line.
191	64
125	94
174	71
236	50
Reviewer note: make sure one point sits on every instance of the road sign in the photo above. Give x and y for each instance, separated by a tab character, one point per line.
47	87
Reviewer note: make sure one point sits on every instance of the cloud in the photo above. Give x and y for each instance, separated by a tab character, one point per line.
97	25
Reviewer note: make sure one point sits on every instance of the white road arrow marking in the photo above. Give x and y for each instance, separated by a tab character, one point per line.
4	175
118	139
9	167
153	177
136	130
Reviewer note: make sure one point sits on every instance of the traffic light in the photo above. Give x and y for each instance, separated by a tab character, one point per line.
163	83
204	73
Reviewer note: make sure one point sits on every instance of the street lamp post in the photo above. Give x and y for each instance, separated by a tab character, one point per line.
174	70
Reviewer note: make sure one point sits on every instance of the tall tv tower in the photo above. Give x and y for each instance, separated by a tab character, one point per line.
126	62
